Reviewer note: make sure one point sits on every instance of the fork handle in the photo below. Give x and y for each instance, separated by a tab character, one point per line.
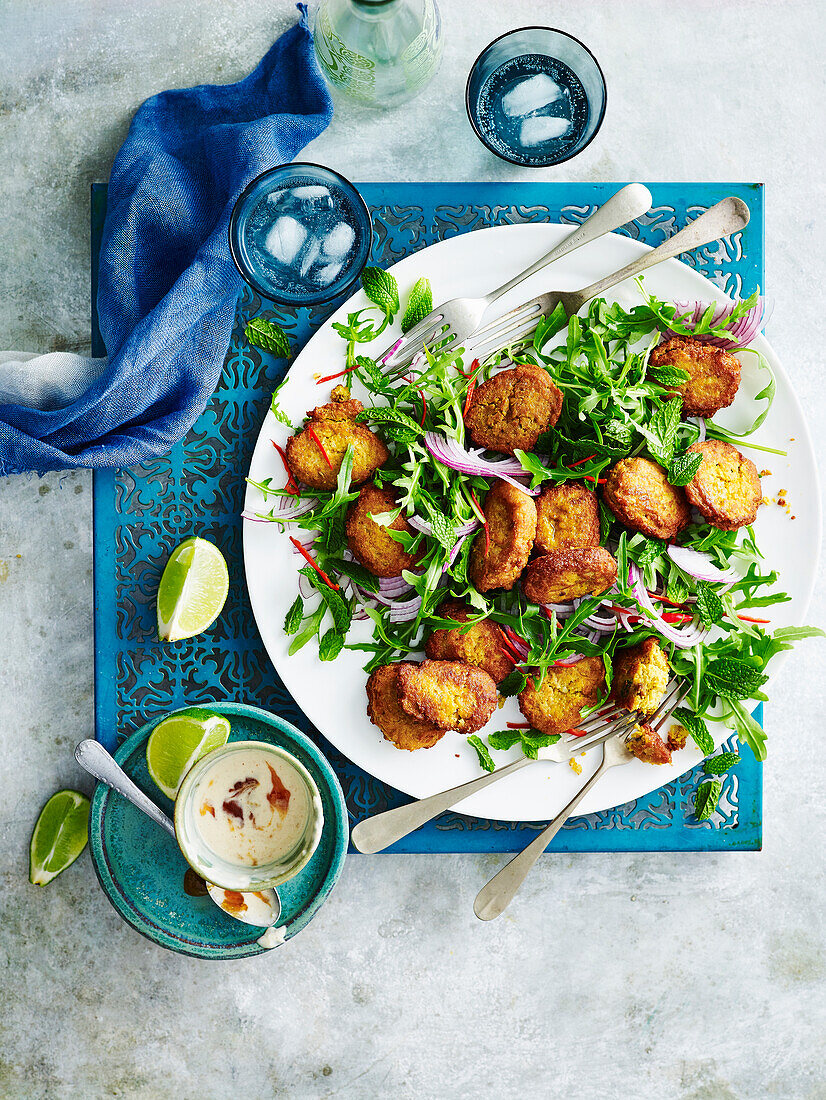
378	832
629	203
721	220
496	895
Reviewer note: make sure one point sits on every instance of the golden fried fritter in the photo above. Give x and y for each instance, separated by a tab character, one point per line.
369	542
449	694
677	737
385	711
567	514
511	527
479	645
714	374
647	745
557	704
511	410
563	575
334	428
639	494
726	488
640	677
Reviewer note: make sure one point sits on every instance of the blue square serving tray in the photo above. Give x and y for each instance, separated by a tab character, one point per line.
142	512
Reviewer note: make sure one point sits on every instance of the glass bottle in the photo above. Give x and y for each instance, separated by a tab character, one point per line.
378	52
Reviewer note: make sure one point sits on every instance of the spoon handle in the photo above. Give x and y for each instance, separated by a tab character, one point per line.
92	756
632	201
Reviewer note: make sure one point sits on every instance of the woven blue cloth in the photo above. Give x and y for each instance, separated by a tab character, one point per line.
168	287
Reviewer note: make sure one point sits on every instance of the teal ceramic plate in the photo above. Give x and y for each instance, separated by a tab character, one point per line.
142	871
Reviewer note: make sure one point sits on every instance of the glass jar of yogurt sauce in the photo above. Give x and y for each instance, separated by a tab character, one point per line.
248	816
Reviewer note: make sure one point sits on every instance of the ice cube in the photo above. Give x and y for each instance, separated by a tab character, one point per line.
311	192
325	275
541	128
531	95
338	241
310	254
285	239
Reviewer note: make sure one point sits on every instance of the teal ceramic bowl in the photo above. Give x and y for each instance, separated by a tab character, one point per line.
141	869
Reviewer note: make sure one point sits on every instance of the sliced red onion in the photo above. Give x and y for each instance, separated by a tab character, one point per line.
420	525
394	586
700	566
562	608
390	351
701	426
452	454
682	637
404	612
742	331
253	518
305	587
572	660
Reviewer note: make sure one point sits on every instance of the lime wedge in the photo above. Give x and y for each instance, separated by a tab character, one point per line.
192	591
60	835
178	741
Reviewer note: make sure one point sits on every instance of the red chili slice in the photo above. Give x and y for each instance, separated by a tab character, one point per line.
292	484
311	433
310	561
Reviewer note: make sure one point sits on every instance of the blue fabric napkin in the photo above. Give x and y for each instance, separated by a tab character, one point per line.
168	287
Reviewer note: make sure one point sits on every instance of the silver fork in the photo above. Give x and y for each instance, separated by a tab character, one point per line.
496	895
380	831
721	220
454	321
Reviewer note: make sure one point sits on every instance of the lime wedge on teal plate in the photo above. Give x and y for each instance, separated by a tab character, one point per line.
192	591
178	741
60	835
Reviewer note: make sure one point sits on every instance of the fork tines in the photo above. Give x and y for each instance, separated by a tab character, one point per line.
615	721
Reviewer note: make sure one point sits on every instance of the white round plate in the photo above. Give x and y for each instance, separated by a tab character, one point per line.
333	694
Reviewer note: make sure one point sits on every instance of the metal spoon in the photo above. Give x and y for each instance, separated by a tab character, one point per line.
94	758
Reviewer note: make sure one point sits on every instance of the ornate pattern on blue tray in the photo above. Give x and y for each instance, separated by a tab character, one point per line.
143	512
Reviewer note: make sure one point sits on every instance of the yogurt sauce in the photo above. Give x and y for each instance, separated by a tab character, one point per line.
251	808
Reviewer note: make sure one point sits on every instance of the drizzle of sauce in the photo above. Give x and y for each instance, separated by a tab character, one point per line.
279	796
243	785
233	902
232	809
207	808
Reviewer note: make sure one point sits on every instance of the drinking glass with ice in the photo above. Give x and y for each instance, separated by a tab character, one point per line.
300	234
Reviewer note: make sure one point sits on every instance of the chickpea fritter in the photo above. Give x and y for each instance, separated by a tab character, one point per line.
511	527
677	737
567	514
335	428
640	677
369	542
647	745
511	410
713	374
557	704
563	575
639	494
385	711
480	644
448	694
726	488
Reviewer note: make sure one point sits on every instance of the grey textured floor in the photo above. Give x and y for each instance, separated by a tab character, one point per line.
693	977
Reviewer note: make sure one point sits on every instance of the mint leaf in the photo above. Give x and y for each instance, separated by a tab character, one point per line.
504	739
485	760
443	530
373	371
699	731
382	289
732	678
513	683
292	620
661	431
533	740
363	577
267	335
646	552
682	468
419	304
335	602
330	645
709	605
717	765
667	374
706	799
